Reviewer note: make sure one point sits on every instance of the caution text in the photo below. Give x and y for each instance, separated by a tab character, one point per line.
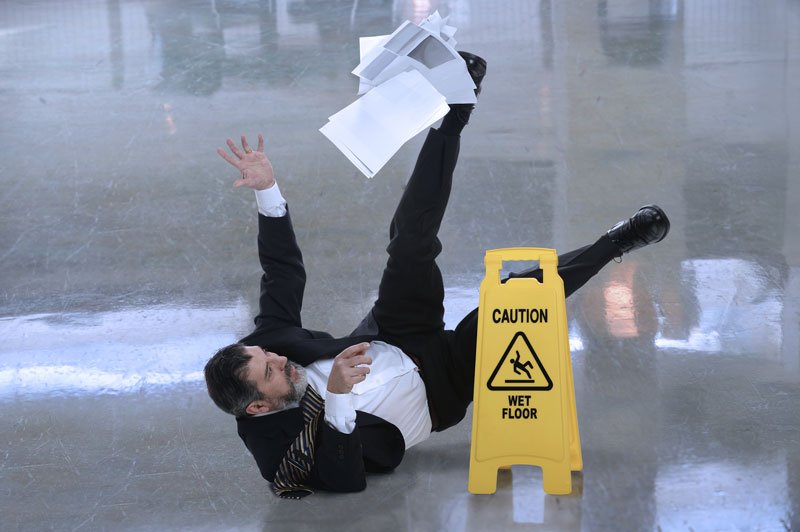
519	315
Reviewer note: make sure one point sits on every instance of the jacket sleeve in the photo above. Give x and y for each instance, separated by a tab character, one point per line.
342	460
284	278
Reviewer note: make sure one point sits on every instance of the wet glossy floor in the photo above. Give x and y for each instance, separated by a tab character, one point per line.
127	258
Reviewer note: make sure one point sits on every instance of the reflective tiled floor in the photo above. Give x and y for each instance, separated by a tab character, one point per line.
127	258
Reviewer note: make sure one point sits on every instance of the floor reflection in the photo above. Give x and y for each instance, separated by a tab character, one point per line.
739	309
750	496
519	504
638	34
145	350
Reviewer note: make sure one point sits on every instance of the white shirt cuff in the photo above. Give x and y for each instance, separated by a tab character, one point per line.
270	202
339	412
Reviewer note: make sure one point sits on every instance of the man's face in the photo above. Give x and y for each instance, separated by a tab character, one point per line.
280	380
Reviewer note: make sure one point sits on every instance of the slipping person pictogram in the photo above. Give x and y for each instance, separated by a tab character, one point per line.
508	372
519	368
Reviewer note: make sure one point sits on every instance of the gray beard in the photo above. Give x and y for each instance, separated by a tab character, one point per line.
296	389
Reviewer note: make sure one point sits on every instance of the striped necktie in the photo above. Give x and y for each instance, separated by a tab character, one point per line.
294	469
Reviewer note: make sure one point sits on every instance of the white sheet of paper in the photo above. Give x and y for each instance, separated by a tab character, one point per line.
365	44
371	130
437	25
427	48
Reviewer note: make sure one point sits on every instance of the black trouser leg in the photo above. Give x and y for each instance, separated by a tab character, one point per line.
411	293
576	267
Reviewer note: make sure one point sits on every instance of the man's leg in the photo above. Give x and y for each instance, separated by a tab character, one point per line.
578	266
411	293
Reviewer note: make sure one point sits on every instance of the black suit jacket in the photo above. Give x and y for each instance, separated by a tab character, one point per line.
341	460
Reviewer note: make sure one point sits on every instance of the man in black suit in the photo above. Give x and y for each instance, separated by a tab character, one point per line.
400	375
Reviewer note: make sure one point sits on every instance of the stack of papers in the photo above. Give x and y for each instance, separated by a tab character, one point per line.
428	48
406	79
370	130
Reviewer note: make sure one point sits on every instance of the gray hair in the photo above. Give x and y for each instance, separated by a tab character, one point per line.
226	380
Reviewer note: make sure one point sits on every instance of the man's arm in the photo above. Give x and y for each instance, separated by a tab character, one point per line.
344	453
254	166
342	460
350	367
283	281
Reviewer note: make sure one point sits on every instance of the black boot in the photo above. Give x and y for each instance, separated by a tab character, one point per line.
648	226
476	66
458	116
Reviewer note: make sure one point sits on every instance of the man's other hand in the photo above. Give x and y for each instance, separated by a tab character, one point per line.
347	369
254	166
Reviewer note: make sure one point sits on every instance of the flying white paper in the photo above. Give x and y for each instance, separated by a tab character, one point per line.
406	80
427	48
371	130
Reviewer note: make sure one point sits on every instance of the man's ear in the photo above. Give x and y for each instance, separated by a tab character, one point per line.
258	407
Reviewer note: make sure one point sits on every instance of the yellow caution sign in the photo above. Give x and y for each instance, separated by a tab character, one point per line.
524	401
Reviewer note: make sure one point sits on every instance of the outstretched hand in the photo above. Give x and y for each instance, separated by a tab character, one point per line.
254	165
348	368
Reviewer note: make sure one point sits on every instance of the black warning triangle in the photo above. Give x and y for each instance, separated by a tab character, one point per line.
522	370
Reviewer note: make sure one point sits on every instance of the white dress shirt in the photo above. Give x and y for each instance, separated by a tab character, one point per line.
393	389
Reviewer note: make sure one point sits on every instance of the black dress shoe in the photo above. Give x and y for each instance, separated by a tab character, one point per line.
648	226
476	66
458	116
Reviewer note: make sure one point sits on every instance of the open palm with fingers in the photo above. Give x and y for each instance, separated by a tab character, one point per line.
255	167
